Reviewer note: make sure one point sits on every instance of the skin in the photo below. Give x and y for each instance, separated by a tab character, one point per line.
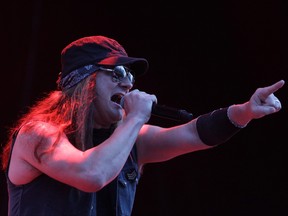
92	169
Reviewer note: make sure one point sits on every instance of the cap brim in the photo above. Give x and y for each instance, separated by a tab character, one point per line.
138	65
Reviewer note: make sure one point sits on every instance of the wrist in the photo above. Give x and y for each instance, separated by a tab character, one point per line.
237	115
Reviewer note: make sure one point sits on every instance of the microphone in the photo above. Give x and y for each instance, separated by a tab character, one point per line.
166	112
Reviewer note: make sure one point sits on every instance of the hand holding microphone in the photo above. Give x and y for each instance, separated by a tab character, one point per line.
166	112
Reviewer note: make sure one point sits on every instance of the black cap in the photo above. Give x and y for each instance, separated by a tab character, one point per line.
98	50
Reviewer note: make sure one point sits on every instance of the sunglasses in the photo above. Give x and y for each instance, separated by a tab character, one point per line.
120	73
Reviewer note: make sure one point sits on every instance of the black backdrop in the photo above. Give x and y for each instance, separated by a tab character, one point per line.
203	55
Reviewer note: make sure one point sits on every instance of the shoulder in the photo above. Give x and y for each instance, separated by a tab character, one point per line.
31	140
38	129
36	135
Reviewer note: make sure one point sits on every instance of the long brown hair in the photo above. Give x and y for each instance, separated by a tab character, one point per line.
71	110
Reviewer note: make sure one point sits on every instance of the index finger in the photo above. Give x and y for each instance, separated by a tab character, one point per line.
266	91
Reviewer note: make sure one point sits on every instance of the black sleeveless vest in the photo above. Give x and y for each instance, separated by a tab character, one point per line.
46	196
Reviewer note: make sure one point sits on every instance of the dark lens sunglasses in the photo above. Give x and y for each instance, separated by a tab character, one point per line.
120	73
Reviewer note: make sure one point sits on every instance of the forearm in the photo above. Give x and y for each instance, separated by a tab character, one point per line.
107	159
218	126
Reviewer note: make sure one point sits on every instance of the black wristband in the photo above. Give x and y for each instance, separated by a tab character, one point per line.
215	127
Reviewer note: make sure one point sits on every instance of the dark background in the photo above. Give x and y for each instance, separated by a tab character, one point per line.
203	55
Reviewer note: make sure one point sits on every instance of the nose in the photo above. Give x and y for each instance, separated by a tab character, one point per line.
125	82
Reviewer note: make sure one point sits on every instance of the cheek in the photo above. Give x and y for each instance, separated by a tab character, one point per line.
104	81
101	85
103	89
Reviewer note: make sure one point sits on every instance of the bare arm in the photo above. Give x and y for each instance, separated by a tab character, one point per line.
88	171
157	144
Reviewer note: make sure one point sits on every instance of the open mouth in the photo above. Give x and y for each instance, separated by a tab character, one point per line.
116	98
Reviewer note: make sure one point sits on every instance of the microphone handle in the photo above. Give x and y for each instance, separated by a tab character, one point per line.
171	113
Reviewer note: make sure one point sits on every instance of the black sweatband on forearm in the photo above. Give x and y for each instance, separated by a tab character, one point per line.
215	127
